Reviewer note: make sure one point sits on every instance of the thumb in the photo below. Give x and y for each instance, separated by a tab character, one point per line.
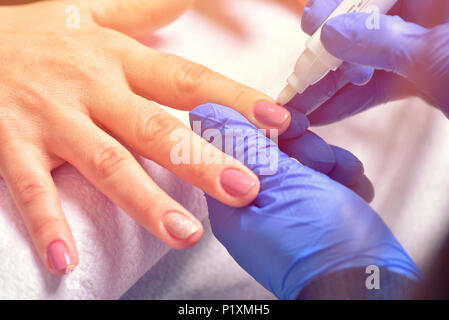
232	133
380	41
136	17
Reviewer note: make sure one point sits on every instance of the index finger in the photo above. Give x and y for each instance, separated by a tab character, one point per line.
176	82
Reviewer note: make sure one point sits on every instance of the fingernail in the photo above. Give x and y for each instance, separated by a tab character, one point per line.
59	258
236	182
179	225
270	114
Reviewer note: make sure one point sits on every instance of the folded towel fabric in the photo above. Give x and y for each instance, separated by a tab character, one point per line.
114	251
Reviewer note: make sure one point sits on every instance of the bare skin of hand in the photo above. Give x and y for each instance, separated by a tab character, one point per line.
70	95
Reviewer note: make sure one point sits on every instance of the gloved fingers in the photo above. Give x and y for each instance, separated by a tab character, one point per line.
338	163
311	150
326	88
270	164
315	13
364	188
428	13
356	74
319	93
298	124
229	131
386	42
353	99
432	71
348	169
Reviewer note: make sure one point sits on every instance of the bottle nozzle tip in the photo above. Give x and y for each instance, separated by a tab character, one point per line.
287	94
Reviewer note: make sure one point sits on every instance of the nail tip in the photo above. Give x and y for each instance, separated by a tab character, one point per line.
69	269
179	225
271	114
237	183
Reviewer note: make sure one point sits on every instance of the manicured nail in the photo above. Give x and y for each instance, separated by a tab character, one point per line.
179	225
270	114
59	258
236	182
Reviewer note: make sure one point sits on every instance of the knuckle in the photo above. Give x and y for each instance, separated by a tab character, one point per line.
149	206
31	189
243	96
188	77
201	171
43	226
152	126
108	160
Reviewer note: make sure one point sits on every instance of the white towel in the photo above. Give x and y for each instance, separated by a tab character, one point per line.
114	251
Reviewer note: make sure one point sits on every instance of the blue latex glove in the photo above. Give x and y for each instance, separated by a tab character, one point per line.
312	151
410	52
302	224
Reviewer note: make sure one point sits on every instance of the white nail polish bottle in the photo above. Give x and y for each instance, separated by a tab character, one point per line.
315	62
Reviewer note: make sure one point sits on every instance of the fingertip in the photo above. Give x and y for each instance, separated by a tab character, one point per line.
61	257
308	24
316	95
311	150
315	13
271	116
348	169
357	74
335	37
365	189
239	187
181	230
298	124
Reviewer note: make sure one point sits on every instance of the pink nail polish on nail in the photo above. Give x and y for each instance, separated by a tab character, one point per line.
179	225
270	114
59	258
236	182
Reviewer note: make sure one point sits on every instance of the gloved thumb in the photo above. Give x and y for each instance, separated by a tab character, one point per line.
380	41
232	133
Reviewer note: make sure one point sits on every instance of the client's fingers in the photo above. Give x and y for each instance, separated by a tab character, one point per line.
331	84
159	136
179	83
36	197
115	172
136	17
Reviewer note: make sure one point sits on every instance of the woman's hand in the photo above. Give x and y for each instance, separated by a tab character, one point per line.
71	94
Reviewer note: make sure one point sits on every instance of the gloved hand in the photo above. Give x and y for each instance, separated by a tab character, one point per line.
409	50
302	224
